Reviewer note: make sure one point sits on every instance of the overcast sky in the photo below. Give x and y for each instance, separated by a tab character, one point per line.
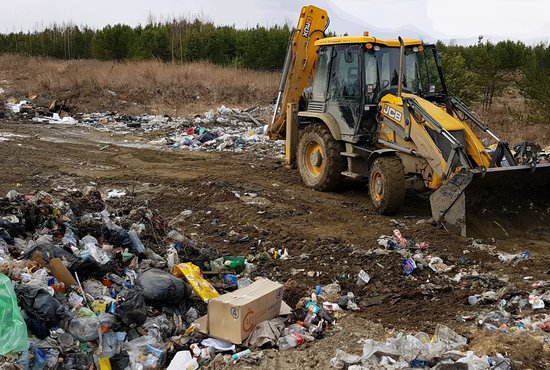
460	20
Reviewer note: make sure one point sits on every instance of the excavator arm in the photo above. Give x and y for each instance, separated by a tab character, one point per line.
299	64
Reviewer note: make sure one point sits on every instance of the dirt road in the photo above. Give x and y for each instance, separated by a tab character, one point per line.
246	203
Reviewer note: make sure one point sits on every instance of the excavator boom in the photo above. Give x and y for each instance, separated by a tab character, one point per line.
299	64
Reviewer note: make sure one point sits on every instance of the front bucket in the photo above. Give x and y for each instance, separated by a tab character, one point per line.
499	202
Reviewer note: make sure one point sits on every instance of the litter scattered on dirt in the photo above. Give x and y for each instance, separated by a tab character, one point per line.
118	218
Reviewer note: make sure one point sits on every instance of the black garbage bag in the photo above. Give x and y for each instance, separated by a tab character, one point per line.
131	309
88	266
5	236
161	287
47	251
14	229
116	235
120	361
207	136
44	311
39	304
39	328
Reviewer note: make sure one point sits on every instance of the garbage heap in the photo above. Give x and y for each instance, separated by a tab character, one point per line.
220	129
83	285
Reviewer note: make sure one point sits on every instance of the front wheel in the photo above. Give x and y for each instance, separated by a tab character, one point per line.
387	185
319	160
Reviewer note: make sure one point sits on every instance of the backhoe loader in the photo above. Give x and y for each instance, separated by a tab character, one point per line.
366	108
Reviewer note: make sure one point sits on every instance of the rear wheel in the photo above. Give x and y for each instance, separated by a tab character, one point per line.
387	185
319	160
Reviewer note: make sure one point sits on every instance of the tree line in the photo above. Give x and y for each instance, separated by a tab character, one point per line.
478	72
176	41
481	72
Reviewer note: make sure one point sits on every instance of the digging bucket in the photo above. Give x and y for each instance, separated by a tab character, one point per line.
497	202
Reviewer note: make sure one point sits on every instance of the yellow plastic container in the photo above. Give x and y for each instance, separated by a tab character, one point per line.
104	363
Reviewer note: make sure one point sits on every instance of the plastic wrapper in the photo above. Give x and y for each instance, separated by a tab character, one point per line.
13	330
95	288
161	287
192	274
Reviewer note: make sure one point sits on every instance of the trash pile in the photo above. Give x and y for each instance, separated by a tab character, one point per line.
525	153
84	285
441	351
221	129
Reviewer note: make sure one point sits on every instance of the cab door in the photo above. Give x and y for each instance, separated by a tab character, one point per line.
345	88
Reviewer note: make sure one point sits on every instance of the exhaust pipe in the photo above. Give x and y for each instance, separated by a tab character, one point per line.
401	61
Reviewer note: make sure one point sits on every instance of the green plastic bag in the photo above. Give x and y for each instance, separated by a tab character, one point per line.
13	330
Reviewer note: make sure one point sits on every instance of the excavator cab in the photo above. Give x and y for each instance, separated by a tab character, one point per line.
379	110
351	79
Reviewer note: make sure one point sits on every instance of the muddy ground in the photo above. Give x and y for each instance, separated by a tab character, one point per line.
329	236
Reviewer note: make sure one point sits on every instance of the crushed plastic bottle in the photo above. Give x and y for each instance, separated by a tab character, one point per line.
136	243
290	341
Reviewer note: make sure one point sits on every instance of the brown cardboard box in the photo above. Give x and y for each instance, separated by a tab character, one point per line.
232	316
60	272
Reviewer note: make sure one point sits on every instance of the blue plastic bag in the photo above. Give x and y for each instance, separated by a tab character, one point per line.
13	330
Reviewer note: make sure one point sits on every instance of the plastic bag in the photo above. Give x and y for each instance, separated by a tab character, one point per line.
192	273
161	324
131	309
39	304
116	235
266	332
85	326
13	330
161	287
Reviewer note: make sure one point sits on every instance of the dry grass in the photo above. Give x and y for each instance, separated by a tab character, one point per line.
136	87
508	118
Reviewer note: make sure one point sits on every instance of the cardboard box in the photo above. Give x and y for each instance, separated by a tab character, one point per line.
232	316
60	272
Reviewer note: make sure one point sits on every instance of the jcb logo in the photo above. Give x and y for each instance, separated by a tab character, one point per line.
392	113
307	27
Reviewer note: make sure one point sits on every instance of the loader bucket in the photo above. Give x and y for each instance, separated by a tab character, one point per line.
497	202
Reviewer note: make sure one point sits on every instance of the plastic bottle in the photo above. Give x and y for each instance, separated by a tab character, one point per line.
309	318
295	329
238	355
136	243
290	341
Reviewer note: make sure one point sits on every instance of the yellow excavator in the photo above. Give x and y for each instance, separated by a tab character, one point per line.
366	108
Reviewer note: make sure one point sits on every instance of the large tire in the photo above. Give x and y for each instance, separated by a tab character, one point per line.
319	160
387	184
